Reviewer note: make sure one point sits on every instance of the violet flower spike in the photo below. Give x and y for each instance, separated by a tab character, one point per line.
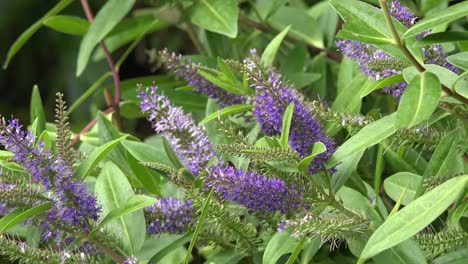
170	215
187	139
256	192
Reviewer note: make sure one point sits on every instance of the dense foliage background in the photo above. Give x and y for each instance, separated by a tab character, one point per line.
286	131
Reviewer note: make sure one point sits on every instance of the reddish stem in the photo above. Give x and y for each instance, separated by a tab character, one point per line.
89	126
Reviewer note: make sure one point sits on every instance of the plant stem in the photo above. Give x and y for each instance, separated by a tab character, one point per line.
193	36
115	72
402	46
89	126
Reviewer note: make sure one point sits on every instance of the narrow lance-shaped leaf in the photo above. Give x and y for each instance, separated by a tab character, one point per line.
414	217
286	125
232	109
22	214
67	24
317	149
37	110
269	54
281	243
419	100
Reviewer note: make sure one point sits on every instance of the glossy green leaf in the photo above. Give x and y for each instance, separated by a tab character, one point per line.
461	85
37	110
67	24
317	149
134	203
368	136
106	19
114	191
218	16
286	125
402	181
229	110
414	217
199	226
381	84
281	243
419	100
148	153
26	35
86	167
443	16
22	214
269	54
455	257
442	37
459	59
344	170
221	80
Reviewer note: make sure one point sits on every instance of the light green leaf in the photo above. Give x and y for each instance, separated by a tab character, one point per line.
456	257
171	154
219	16
459	59
221	80
37	111
438	18
461	85
148	153
414	217
170	247
281	243
395	184
368	136
108	16
67	24
286	125
381	84
344	170
113	191
85	168
22	214
199	226
297	250
349	99
26	35
229	110
269	54
419	100
133	204
317	149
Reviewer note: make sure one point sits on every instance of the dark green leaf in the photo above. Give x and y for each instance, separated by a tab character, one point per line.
456	257
419	100
219	16
67	24
442	37
106	19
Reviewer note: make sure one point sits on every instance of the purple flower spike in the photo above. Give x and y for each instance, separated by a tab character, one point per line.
377	64
272	97
188	140
170	215
72	204
256	192
186	69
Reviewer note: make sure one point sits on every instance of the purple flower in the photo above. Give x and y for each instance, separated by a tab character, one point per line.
256	192
188	140
131	260
272	97
186	69
377	64
170	215
72	204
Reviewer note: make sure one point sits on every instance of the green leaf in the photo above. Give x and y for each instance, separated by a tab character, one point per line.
179	242
67	24
90	91
317	149
171	154
459	59
85	168
286	125
37	110
362	21
22	214
269	54
438	18
218	16
381	84
344	170
281	243
199	226
106	19
348	69
221	80
148	153
461	85
349	99
230	110
419	100
414	217
303	26
368	136
114	191
26	35
297	250
133	204
456	257
395	184
442	37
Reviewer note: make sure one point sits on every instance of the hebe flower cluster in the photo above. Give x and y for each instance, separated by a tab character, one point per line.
272	97
187	139
377	64
73	205
256	192
186	69
170	215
